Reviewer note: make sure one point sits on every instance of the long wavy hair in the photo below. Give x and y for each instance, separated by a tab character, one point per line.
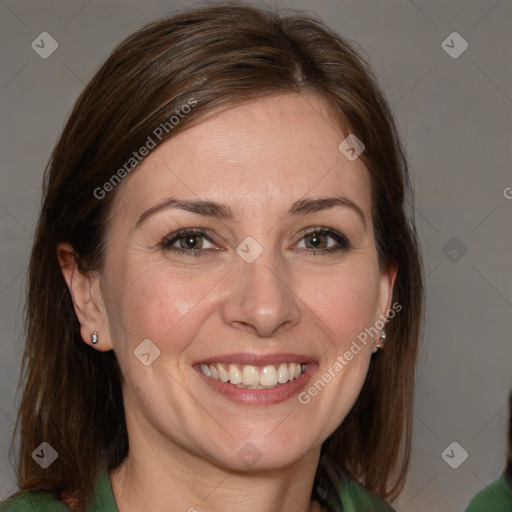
221	56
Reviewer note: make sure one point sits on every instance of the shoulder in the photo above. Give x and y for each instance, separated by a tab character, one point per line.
337	488
38	501
42	501
496	497
356	498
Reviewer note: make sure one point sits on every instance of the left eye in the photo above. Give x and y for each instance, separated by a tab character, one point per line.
316	241
323	240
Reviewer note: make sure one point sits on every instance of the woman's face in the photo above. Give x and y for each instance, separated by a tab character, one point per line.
243	248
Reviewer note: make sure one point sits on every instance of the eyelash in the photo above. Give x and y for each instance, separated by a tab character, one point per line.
343	242
167	242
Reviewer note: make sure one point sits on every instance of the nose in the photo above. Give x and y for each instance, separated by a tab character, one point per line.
261	299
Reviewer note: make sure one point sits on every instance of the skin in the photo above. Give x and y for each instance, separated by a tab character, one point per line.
258	158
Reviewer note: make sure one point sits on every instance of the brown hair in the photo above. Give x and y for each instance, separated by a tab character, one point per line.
218	56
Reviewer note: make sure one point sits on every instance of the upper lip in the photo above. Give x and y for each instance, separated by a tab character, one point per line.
257	359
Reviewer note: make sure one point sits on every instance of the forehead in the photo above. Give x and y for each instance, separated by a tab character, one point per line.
261	155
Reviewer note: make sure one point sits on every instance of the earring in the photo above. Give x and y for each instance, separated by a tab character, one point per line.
382	339
94	337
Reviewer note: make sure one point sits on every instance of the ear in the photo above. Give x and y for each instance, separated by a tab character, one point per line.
387	282
386	285
87	298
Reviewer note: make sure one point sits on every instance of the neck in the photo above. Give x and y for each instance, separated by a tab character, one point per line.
147	480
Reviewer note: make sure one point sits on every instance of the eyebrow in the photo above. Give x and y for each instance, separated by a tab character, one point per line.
206	208
306	206
221	211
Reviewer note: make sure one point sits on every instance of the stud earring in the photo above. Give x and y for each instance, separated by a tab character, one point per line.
94	337
382	339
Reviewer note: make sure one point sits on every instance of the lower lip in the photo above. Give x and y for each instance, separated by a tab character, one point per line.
270	396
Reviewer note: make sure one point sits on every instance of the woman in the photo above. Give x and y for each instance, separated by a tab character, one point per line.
224	236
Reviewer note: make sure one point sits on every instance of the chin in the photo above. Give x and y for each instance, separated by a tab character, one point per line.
257	454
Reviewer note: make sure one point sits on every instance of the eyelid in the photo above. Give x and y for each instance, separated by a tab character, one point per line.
171	238
320	229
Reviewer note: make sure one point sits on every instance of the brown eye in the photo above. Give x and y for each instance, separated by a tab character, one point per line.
191	242
321	241
316	241
188	241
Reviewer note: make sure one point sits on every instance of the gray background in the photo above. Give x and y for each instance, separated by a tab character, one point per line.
455	120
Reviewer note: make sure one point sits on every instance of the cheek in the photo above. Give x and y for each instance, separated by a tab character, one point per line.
344	300
156	303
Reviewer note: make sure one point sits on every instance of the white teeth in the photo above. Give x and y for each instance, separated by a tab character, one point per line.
213	372
268	376
254	377
223	374
235	376
282	373
250	376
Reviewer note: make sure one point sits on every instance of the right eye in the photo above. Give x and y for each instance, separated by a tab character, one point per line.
190	242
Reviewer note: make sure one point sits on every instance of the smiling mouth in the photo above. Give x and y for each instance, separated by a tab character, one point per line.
254	377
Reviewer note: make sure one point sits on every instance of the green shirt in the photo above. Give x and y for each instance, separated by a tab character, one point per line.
41	501
496	497
353	497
